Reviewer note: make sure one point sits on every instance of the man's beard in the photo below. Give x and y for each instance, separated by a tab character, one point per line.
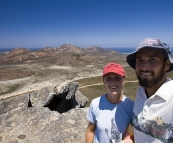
156	78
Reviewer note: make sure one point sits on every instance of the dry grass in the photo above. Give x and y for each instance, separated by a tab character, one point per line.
130	73
89	81
93	92
11	88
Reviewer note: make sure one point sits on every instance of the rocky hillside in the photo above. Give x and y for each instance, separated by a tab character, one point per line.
64	55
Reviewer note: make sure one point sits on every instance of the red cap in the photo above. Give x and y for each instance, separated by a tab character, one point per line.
113	68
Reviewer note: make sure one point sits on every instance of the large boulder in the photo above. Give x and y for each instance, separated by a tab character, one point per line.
41	97
66	87
29	118
8	104
60	98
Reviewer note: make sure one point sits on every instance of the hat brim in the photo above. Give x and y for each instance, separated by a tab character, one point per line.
131	58
120	73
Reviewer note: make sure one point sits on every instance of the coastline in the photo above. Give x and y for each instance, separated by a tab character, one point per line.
123	50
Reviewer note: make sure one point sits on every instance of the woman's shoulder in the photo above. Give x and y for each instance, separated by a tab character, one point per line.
128	105
97	100
127	99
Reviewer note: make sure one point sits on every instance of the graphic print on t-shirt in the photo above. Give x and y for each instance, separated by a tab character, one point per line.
156	128
116	135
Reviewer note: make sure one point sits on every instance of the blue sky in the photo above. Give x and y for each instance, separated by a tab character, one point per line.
84	23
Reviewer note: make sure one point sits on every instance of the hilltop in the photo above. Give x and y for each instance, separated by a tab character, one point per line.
64	55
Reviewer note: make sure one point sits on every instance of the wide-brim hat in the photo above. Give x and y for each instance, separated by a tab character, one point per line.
154	44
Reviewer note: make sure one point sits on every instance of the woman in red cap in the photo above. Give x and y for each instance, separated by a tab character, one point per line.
110	114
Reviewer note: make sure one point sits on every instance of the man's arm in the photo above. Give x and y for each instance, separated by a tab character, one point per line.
90	132
129	135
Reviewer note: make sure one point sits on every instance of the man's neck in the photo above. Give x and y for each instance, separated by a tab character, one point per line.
151	91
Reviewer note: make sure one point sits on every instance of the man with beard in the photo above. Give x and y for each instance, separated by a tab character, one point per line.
152	111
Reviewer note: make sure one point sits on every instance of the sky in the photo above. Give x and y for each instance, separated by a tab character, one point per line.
84	23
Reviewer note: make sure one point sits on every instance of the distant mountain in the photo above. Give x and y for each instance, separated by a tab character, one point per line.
66	54
68	48
97	49
2	54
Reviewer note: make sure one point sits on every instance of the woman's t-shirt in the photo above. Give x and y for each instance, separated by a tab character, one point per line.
111	119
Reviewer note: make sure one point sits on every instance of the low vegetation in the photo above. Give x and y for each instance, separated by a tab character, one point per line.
10	89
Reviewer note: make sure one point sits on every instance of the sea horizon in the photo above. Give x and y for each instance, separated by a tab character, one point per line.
123	50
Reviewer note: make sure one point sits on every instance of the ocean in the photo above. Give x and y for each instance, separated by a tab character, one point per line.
123	50
9	49
129	50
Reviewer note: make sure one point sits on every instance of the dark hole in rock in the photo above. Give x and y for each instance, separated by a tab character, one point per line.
29	102
60	103
22	136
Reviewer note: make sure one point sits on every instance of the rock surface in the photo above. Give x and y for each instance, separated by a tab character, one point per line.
41	125
29	118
